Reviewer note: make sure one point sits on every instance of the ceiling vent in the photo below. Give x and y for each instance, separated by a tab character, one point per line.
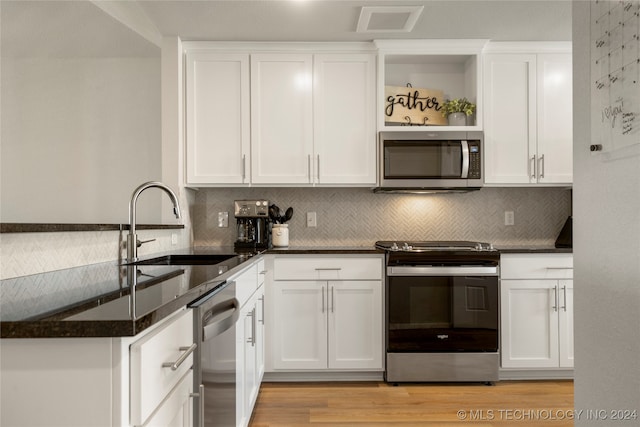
388	19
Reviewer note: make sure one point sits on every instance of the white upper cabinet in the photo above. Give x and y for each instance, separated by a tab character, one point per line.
528	114
217	118
280	114
281	118
344	119
555	119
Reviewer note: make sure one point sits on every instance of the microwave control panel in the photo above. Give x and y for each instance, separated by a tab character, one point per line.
475	160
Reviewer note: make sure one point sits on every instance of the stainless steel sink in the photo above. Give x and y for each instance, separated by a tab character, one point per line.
197	259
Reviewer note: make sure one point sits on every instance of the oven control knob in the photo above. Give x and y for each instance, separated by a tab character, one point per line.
394	247
406	247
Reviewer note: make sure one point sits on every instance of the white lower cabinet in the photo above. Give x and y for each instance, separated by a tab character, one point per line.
101	381
157	367
334	321
249	340
177	409
537	311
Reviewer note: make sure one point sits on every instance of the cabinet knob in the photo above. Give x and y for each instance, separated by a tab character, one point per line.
595	147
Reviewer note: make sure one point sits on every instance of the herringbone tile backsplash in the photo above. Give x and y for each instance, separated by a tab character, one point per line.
358	217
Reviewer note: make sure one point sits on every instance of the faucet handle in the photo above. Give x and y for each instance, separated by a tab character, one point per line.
141	242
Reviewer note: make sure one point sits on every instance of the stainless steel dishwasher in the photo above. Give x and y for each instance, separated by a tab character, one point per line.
216	315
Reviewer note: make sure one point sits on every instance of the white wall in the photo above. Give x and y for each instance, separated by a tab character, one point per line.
78	136
606	259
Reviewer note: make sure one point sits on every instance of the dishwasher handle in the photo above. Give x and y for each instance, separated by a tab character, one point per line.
220	318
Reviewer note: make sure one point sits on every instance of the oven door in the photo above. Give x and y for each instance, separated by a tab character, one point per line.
442	309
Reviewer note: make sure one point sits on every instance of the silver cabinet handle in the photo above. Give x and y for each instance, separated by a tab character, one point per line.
318	170
201	405
187	352
541	166
323	299
564	292
262	301
309	166
329	269
532	167
244	167
555	298
252	339
333	301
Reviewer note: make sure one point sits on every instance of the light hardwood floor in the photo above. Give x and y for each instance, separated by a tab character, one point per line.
377	404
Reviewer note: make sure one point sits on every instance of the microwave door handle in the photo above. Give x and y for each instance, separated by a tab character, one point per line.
465	159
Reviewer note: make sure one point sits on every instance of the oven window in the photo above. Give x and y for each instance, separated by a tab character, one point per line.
442	314
437	159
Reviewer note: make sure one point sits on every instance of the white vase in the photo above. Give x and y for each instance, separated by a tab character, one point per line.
457	119
280	235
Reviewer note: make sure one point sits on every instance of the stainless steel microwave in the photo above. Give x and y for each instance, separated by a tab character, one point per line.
429	161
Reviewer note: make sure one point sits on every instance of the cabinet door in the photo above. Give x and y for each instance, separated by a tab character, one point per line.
299	339
177	409
344	119
510	109
260	335
281	118
529	311
250	385
555	120
565	323
355	325
217	118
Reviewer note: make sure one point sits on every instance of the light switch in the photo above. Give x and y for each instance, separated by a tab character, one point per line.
509	218
311	219
223	219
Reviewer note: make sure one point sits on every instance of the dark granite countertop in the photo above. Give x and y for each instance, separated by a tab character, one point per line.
532	249
15	227
294	250
96	300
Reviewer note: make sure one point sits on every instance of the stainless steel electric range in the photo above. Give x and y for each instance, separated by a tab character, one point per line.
441	311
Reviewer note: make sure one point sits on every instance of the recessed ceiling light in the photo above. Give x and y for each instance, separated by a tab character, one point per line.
388	19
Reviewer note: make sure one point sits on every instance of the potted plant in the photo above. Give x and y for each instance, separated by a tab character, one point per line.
457	110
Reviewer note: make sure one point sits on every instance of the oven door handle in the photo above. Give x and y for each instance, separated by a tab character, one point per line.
442	271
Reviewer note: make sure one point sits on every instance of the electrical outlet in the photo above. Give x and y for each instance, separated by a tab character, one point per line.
509	218
223	219
311	219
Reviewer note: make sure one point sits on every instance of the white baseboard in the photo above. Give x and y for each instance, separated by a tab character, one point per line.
322	376
536	374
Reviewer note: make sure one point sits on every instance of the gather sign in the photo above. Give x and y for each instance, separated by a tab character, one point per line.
413	106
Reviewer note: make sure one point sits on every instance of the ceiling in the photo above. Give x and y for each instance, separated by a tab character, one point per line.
336	20
80	28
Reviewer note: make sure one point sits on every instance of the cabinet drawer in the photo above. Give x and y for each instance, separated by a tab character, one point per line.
536	266
177	409
261	272
327	268
151	382
246	284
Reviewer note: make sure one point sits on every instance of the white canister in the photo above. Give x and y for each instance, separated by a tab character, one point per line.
280	234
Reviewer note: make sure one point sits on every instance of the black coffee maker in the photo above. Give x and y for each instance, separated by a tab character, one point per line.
252	224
